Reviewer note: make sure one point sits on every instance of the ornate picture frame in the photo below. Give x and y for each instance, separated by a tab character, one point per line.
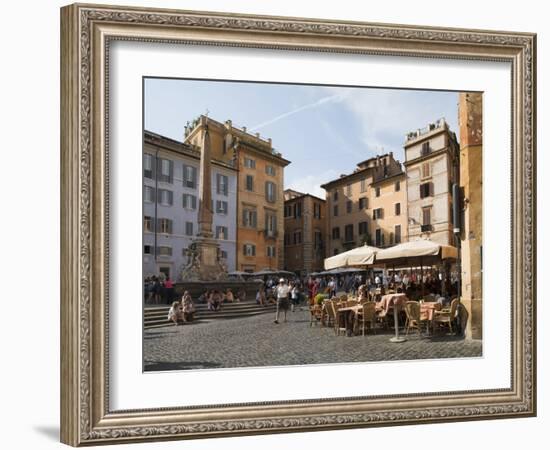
86	34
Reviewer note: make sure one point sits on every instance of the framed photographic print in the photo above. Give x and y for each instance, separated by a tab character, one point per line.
280	224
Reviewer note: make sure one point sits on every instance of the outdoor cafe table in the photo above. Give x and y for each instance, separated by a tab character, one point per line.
427	311
388	301
348	314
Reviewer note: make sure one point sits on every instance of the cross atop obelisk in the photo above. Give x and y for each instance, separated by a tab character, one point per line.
205	185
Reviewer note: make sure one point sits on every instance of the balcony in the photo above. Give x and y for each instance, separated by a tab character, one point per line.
426	228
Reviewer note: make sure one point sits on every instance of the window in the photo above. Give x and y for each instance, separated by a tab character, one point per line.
377	191
425	190
270	192
363	184
398	209
348	232
391	238
426	150
149	194
335	195
250	218
249	250
223	254
166	169
148	166
189	201
147	249
377	213
165	197
426	216
249	183
249	163
363	204
189	176
221	233
270	170
297	237
165	226
335	211
270	249
397	186
318	240
379	238
287	239
348	190
335	251
164	250
189	228
270	224
316	210
222	184
148	224
425	170
288	210
398	234
298	209
349	206
363	228
222	207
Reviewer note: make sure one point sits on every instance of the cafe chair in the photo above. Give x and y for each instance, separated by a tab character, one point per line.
412	311
446	316
367	314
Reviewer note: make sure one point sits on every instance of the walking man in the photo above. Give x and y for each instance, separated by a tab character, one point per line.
282	298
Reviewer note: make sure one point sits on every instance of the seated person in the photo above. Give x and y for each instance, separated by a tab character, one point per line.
229	297
175	314
188	308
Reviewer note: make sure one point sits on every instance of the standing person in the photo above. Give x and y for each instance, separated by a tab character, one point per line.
157	289
331	288
377	281
168	290
294	296
282	299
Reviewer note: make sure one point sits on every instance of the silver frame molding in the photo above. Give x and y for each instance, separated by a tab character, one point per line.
86	32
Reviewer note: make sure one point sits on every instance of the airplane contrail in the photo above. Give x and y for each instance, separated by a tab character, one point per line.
319	102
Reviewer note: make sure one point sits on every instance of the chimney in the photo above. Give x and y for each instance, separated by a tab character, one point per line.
228	123
244	129
269	140
257	135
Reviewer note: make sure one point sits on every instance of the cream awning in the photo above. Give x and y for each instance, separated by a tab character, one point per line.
416	249
360	256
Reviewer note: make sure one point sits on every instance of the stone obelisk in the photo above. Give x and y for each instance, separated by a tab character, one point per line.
204	263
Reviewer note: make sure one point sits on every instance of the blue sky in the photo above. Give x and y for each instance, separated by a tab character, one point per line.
325	131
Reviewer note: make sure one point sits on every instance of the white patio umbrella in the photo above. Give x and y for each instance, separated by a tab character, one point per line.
416	250
360	256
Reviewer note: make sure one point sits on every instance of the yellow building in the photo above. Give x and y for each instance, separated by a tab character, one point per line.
260	199
305	232
471	182
367	206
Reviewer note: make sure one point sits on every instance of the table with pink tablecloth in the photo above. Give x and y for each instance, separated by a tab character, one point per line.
389	300
427	310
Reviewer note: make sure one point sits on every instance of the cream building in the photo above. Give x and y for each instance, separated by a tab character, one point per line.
432	166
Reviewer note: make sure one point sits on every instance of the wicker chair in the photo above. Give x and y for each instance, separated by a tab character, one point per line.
367	314
315	314
332	309
446	316
412	310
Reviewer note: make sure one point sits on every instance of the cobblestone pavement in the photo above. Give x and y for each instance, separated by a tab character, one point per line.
257	341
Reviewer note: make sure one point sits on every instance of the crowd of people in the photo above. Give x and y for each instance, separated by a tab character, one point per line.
291	293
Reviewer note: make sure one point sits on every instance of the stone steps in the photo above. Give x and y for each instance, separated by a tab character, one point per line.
156	315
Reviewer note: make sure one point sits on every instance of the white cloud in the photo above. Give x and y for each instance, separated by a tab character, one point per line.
311	184
385	116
